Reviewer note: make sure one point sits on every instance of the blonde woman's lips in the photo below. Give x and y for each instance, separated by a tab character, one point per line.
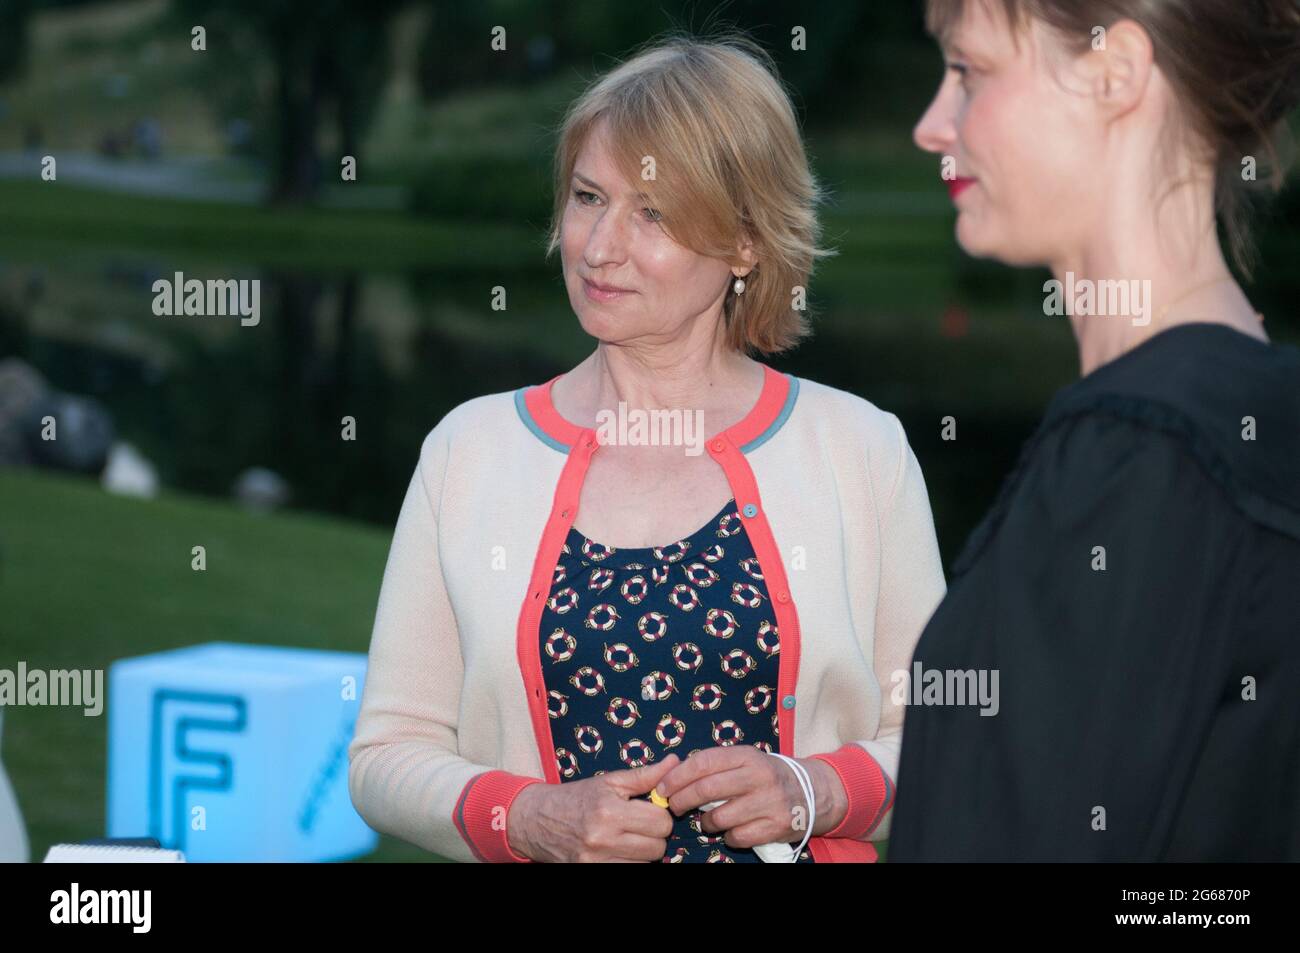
603	292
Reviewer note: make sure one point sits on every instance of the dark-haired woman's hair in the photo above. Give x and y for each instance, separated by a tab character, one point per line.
1234	64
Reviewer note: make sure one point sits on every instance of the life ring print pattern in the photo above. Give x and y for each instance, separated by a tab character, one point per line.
661	649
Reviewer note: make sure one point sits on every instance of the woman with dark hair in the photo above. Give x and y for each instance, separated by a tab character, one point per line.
1136	586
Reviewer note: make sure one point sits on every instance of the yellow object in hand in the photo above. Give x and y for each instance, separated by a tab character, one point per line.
657	798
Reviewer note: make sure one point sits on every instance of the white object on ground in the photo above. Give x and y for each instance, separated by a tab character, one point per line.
128	473
111	854
261	490
13	835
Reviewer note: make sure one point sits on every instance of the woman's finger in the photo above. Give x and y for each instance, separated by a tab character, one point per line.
739	811
722	785
644	818
638	848
760	831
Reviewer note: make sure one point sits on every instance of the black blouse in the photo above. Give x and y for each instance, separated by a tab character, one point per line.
1136	588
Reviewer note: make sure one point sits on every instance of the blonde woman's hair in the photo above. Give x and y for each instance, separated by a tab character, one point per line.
716	125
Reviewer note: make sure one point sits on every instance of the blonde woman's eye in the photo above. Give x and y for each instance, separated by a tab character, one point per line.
581	196
654	215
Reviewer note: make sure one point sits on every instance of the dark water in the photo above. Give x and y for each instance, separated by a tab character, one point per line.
204	398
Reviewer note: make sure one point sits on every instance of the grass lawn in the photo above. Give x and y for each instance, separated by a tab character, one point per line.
87	578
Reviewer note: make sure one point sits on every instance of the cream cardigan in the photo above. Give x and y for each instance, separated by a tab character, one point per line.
453	720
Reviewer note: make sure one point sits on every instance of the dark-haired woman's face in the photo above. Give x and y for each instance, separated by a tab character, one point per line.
1024	148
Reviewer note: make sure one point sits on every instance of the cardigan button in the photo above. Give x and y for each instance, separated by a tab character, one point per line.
787	702
750	510
718	446
783	596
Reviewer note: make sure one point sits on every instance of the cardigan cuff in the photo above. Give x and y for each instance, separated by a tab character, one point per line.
481	813
869	790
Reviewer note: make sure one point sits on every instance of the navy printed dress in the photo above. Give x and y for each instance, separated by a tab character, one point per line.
651	651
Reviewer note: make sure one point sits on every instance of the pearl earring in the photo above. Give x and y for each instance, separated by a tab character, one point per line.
739	286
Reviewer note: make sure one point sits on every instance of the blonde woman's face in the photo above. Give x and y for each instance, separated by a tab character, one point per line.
1024	145
610	237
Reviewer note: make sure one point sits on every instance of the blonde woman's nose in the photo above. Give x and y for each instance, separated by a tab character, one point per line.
607	241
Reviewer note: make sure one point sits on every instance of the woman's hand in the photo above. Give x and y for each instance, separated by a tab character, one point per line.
765	803
596	820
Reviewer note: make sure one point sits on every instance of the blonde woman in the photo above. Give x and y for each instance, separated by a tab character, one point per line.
574	615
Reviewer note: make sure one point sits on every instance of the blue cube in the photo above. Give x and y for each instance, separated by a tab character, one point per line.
236	752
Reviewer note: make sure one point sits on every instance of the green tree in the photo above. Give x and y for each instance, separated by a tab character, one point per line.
327	62
14	17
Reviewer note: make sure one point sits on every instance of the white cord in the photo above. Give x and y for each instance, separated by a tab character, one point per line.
779	852
805	782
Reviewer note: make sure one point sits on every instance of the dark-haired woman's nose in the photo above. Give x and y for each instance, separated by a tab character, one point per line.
937	129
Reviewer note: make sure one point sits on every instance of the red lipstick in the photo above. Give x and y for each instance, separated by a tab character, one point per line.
959	185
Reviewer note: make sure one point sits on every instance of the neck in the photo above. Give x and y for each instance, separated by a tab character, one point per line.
1170	261
681	374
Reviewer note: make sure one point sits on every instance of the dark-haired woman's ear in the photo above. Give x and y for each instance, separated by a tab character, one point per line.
1118	67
